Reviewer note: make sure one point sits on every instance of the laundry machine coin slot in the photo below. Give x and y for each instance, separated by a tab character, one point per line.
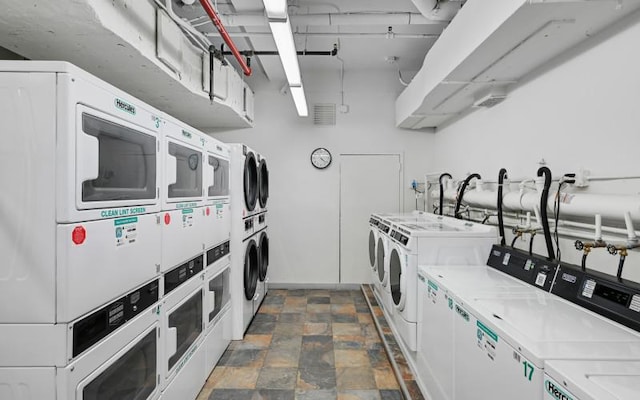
217	253
101	323
182	273
186	319
250	181
251	266
264	255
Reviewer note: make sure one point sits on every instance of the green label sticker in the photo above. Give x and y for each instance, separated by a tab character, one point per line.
125	221
451	303
219	205
186	134
433	285
555	391
122	212
186	205
187	211
528	370
124	106
488	331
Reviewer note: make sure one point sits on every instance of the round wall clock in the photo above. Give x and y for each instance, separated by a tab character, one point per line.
320	158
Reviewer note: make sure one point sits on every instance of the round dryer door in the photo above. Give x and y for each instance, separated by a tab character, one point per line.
263	183
372	249
251	266
397	278
264	255
380	261
250	181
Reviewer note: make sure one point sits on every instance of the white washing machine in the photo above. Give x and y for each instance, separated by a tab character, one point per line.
217	183
436	313
591	380
374	233
123	364
435	240
183	201
504	340
381	274
244	182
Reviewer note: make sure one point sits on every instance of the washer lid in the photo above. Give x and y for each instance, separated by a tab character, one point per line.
596	380
472	279
547	327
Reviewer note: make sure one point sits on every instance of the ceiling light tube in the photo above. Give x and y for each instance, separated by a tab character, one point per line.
297	92
276	9
283	37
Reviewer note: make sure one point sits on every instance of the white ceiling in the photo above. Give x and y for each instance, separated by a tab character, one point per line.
359	52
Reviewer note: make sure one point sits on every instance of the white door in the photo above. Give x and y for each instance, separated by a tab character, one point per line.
368	183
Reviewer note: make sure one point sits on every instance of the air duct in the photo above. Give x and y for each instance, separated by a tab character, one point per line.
438	10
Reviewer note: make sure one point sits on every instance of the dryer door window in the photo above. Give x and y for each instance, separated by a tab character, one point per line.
372	250
250	181
187	321
380	261
219	295
263	174
220	184
251	266
126	162
130	377
395	275
264	255
188	172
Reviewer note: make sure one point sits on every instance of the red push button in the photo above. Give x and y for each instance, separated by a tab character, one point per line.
78	235
208	211
167	219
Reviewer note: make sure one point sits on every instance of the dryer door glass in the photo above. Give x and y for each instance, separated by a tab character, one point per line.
372	249
218	293
130	377
220	184
380	260
251	270
250	181
395	271
263	187
187	319
264	255
126	162
188	172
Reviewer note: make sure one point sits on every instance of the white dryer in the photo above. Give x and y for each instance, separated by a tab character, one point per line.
374	233
244	178
263	271
263	183
381	272
591	380
435	240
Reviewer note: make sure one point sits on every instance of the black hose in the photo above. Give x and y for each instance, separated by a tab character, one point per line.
543	210
501	175
461	194
584	261
513	242
620	267
442	191
531	244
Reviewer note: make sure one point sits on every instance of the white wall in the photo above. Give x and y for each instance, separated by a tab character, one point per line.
304	202
582	112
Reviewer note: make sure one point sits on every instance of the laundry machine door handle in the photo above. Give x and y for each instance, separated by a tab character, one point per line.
87	158
171	170
256	297
172	341
212	300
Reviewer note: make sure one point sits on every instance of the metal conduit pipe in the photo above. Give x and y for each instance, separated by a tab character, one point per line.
225	35
329	19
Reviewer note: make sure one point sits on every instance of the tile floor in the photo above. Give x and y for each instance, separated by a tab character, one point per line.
306	345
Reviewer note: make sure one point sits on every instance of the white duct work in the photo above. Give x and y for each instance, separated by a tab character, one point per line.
610	207
438	10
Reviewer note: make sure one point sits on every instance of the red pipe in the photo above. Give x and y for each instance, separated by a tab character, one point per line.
225	35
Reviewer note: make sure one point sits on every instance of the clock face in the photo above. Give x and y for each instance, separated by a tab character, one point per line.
321	158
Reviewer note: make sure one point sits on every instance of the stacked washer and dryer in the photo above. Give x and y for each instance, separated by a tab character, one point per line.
249	236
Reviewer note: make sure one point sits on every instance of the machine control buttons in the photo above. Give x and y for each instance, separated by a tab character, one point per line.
635	303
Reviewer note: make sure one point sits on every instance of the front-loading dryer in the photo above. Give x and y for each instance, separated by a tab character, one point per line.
244	175
263	271
263	184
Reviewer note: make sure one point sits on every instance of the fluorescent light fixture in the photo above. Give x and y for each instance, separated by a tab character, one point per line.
297	92
283	37
276	9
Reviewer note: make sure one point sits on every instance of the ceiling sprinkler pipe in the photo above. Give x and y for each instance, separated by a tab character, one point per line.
447	175
501	175
461	194
225	35
544	197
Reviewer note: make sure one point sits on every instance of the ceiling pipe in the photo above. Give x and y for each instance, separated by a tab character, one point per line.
335	35
438	10
329	19
225	35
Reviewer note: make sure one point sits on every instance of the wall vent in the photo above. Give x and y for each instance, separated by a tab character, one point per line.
324	114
